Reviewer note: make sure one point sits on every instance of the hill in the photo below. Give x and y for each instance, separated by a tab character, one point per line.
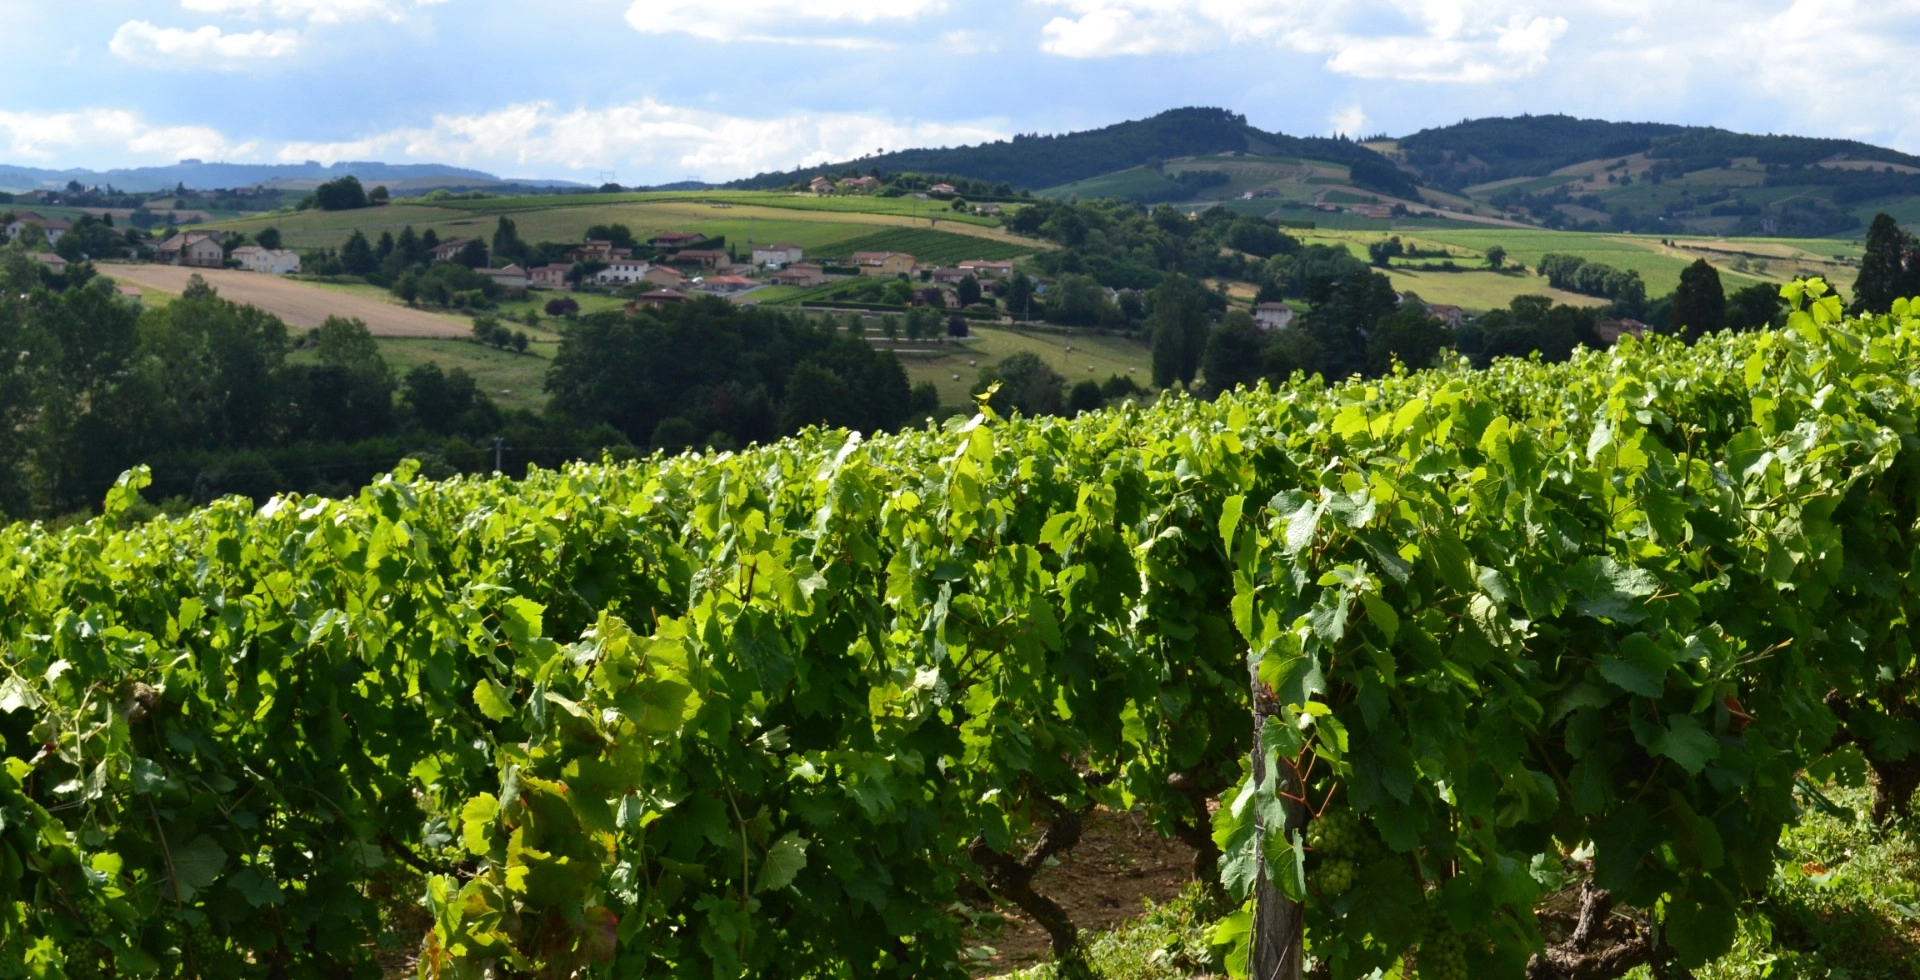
1032	162
202	175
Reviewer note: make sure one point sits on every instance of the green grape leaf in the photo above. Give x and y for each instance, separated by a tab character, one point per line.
493	699
785	860
1639	666
1687	743
476	823
196	866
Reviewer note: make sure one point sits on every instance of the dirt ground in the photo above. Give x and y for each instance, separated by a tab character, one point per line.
1105	880
301	305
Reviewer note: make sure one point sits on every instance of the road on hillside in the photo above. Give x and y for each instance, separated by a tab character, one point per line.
301	305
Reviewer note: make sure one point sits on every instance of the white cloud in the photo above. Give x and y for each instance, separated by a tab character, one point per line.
779	21
659	141
207	47
105	137
312	11
1458	41
1351	121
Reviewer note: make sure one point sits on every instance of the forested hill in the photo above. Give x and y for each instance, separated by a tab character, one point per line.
1482	150
1032	162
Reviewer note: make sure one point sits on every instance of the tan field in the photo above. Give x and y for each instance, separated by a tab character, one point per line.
301	305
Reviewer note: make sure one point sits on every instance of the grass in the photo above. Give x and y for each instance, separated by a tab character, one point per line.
934	247
513	381
897	206
956	366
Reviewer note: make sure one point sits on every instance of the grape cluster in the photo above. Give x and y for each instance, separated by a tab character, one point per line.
1443	956
1337	839
83	960
97	920
203	947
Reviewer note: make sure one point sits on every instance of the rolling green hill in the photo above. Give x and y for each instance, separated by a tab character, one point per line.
1032	162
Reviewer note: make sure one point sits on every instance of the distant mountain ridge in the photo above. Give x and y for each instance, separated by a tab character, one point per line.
1034	162
201	175
1479	151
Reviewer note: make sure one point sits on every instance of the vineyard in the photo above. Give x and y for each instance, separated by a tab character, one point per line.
1521	672
933	248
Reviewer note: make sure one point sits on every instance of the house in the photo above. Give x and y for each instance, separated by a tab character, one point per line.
1380	211
1611	331
802	274
551	276
949	277
942	190
883	263
821	185
705	258
130	292
510	277
198	249
727	285
54	263
593	251
1452	316
1273	316
866	184
988	210
776	256
449	250
982	269
623	272
675	239
270	261
656	299
664	277
53	228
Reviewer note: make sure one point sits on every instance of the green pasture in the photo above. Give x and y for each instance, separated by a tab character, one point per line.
1092	357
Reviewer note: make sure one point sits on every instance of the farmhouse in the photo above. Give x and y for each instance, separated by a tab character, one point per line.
705	258
664	277
777	256
883	263
949	277
270	261
447	251
821	185
802	274
623	271
675	239
982	269
727	285
1273	316
512	277
52	227
1452	316
1611	331
54	263
551	276
656	299
198	249
593	251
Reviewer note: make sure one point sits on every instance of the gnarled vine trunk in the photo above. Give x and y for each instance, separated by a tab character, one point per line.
1279	923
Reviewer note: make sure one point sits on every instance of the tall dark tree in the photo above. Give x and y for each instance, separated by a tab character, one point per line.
1755	307
1700	304
1236	353
473	255
386	245
344	194
1028	385
968	289
506	241
267	238
1179	321
1410	336
357	255
1889	270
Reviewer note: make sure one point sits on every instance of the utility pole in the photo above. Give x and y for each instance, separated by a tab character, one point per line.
499	443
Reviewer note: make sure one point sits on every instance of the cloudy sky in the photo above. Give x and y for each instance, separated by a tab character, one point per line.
662	90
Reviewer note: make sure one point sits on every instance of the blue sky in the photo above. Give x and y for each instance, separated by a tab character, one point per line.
661	90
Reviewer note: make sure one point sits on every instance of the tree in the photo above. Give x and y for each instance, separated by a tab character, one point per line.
268	238
968	289
1410	336
344	194
1496	257
1085	397
473	255
1756	307
1179	324
386	246
357	255
1700	304
1383	253
1028	385
1888	270
1235	353
890	326
817	396
506	240
378	197
1020	297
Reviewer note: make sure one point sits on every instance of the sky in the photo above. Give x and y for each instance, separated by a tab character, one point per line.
652	91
